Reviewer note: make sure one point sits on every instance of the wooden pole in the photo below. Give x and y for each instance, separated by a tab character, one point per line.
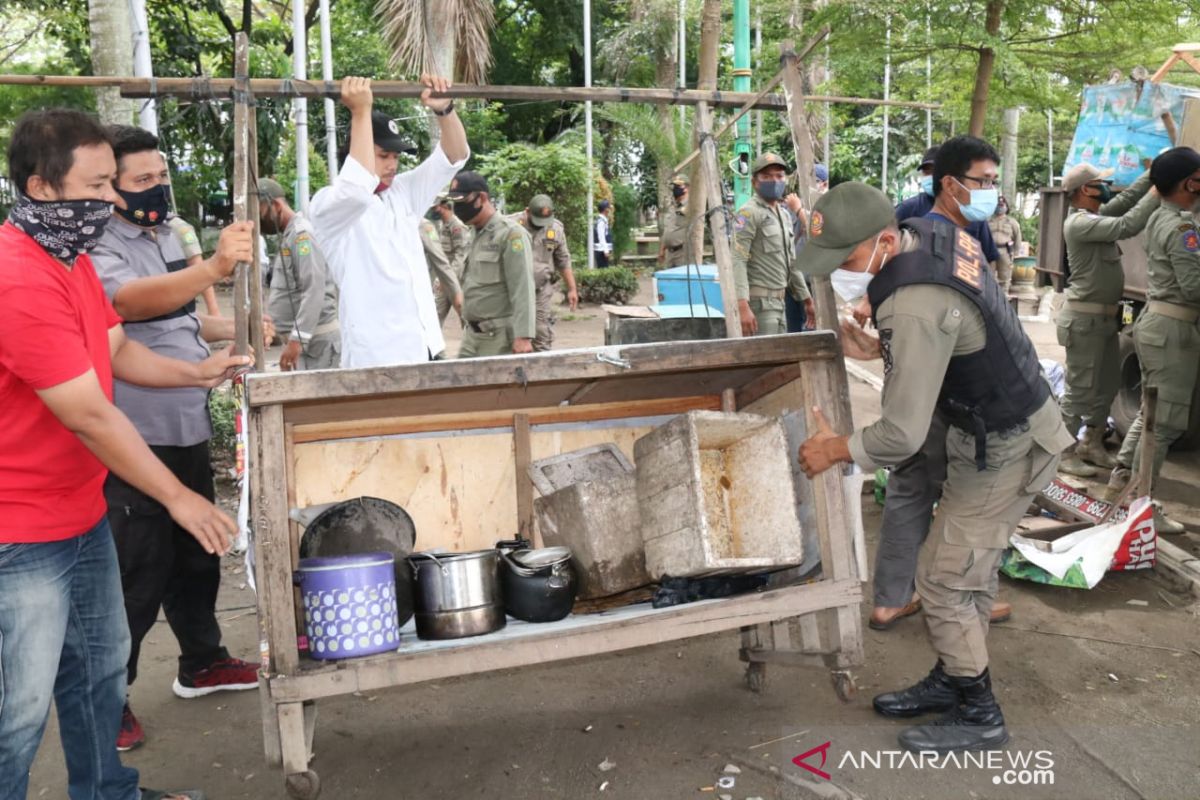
202	89
241	185
710	173
255	279
823	297
750	104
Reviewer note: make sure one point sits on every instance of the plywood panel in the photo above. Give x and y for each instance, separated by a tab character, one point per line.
458	489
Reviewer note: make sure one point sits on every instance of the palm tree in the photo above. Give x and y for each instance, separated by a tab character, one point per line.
443	37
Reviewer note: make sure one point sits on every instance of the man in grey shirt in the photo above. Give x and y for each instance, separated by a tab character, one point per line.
143	267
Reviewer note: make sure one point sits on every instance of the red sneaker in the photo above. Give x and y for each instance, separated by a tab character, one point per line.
131	735
224	675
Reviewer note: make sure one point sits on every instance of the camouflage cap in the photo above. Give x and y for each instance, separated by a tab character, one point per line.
845	216
541	210
767	160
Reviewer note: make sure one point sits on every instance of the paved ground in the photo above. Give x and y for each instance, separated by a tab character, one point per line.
1105	689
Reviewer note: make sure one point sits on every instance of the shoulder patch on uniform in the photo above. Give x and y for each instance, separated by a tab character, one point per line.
1186	226
968	260
433	234
286	253
304	246
1191	241
885	349
739	221
189	236
817	224
516	242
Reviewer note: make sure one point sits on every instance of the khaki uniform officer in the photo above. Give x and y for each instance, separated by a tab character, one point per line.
439	268
673	251
1167	334
455	237
764	260
1006	233
550	254
498	297
949	342
302	299
1089	322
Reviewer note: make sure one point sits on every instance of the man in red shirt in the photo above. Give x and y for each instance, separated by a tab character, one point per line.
63	631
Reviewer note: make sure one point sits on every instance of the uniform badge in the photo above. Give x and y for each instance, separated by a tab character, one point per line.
550	234
739	221
286	253
304	247
189	237
818	223
1191	241
885	349
517	245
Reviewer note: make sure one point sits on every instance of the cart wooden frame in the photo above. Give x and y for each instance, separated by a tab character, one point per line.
518	394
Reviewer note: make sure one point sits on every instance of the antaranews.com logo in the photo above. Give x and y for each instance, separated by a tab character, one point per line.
1008	767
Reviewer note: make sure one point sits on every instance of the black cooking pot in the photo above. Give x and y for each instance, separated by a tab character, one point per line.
537	585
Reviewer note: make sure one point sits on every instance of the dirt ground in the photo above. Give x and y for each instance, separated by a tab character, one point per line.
1105	689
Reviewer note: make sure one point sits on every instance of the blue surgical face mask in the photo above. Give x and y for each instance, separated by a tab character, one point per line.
772	190
927	184
982	205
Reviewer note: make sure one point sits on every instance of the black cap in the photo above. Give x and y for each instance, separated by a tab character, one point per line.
929	157
465	183
1171	167
388	135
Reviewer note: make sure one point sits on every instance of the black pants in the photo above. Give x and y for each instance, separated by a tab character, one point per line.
163	565
600	259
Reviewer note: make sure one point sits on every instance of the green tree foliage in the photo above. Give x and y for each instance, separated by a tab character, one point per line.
518	171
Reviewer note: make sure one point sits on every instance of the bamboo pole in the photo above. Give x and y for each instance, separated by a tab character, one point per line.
241	184
710	173
221	89
745	109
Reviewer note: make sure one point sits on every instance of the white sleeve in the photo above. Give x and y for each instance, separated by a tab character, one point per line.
338	206
416	189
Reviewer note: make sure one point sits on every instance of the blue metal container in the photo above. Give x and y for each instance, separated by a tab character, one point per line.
690	285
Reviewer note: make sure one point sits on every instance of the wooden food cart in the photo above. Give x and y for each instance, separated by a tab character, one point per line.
450	441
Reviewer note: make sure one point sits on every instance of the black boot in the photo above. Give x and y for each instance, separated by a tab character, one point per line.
975	724
931	694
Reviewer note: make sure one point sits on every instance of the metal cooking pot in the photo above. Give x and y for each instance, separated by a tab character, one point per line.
456	595
539	585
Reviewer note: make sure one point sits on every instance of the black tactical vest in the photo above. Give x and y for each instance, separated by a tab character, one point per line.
996	388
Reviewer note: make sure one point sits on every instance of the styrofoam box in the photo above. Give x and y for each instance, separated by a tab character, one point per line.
715	493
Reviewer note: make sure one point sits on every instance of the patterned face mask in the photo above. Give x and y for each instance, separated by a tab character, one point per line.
64	228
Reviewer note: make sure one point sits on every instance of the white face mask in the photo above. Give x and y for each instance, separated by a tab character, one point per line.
851	285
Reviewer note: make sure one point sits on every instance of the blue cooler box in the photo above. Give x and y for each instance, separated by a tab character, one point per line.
671	287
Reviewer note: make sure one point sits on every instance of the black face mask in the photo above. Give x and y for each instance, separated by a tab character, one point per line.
466	210
147	209
1106	192
678	191
63	228
433	216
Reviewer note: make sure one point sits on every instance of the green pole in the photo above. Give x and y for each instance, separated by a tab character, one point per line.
741	83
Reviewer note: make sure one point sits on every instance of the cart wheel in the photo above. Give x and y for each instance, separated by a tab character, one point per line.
303	785
843	684
756	677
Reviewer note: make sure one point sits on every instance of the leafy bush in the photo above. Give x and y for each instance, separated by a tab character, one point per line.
609	285
625	204
223	412
519	171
